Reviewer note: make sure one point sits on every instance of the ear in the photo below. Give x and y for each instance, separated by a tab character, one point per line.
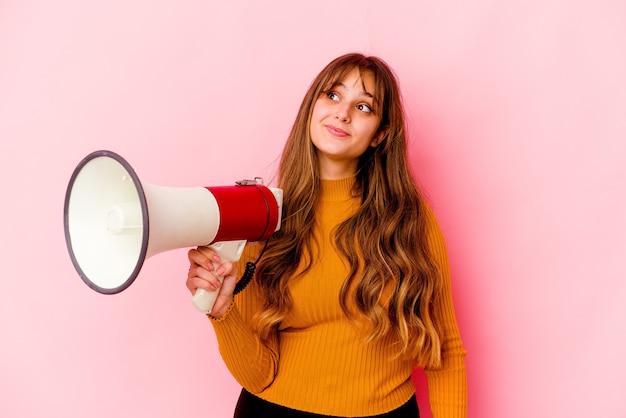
380	136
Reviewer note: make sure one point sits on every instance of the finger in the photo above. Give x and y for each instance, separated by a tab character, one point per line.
209	253
203	256
205	278
194	283
227	268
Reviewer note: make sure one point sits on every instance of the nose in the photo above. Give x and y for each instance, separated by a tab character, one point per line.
343	112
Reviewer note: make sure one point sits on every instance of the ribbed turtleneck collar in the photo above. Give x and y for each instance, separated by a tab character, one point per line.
337	190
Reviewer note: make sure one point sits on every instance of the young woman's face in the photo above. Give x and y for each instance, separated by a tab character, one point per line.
344	124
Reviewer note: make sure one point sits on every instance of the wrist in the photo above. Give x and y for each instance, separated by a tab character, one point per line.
218	315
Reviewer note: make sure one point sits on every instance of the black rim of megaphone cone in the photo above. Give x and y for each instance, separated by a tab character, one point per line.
144	211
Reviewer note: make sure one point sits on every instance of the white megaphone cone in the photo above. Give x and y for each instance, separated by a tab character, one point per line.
113	223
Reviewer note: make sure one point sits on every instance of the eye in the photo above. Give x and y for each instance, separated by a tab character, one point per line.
332	96
363	107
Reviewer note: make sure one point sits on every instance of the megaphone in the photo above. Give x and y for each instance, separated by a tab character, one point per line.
113	222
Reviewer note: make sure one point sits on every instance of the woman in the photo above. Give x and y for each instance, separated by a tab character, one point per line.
354	291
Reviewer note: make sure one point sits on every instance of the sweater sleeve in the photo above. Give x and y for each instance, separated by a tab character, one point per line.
251	362
447	385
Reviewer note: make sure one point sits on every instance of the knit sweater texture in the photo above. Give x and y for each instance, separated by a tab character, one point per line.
318	361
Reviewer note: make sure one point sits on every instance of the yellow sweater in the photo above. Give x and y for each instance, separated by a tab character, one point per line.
319	362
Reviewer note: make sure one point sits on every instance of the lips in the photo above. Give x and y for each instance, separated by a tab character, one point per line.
336	131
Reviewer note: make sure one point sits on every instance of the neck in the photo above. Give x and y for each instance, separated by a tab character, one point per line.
338	190
336	170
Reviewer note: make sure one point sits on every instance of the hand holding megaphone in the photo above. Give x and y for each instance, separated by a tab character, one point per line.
113	222
203	299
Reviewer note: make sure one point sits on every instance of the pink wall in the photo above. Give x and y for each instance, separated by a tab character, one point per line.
518	114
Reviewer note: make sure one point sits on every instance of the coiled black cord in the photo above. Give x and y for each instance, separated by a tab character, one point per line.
248	273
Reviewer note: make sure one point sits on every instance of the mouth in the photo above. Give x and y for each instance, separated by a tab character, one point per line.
340	133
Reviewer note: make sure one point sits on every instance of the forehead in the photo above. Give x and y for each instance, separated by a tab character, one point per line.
355	78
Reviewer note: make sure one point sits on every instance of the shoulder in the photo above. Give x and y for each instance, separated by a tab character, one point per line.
433	233
430	219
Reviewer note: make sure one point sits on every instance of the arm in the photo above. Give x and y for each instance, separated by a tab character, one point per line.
252	363
447	385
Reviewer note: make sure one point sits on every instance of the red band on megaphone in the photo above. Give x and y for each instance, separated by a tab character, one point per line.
246	212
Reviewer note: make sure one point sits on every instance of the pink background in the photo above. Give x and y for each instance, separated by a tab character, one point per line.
518	117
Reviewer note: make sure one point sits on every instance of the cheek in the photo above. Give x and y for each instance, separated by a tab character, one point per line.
372	129
318	112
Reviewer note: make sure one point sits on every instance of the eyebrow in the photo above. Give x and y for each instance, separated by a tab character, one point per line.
363	92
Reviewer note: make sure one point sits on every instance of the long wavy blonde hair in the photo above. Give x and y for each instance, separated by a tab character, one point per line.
387	229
